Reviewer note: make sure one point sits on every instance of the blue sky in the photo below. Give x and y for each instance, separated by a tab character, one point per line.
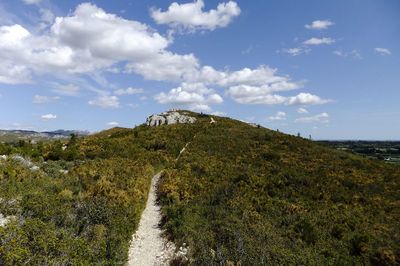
325	68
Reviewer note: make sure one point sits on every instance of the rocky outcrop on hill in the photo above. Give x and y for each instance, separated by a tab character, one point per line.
169	118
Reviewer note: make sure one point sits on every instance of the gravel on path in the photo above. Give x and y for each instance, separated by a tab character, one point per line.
148	247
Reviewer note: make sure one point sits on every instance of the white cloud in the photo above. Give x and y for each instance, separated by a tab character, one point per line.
31	2
353	54
296	51
12	36
255	97
306	99
198	107
179	96
105	101
196	96
261	76
14	74
114	70
190	16
47	117
319	24
113	124
264	94
218	113
166	66
10	41
383	51
302	110
106	35
41	99
46	19
88	41
319	41
320	118
279	116
128	91
214	99
66	89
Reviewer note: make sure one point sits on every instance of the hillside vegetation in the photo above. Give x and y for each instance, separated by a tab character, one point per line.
249	195
238	195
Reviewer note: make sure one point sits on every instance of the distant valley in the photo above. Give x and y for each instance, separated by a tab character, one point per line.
388	151
16	135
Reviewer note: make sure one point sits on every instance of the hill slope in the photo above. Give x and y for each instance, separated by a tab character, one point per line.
251	195
237	193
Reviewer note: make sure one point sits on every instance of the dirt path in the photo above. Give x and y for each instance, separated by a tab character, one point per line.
148	247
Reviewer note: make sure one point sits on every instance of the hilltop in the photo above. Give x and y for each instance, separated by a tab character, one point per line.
236	194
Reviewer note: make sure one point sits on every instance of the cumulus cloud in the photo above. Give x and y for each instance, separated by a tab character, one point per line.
86	41
47	117
128	91
14	74
319	118
261	94
190	16
105	101
319	41
383	51
10	41
195	96
179	96
302	110
90	40
306	99
268	99
263	75
264	88
319	25
264	95
246	86
107	36
279	116
166	66
41	99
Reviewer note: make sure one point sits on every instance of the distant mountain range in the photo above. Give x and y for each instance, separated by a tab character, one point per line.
15	135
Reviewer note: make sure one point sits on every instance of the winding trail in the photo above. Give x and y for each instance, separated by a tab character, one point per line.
148	247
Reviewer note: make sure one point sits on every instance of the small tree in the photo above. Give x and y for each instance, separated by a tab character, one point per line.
72	140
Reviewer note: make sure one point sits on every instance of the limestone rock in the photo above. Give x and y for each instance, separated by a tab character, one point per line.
169	118
4	220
